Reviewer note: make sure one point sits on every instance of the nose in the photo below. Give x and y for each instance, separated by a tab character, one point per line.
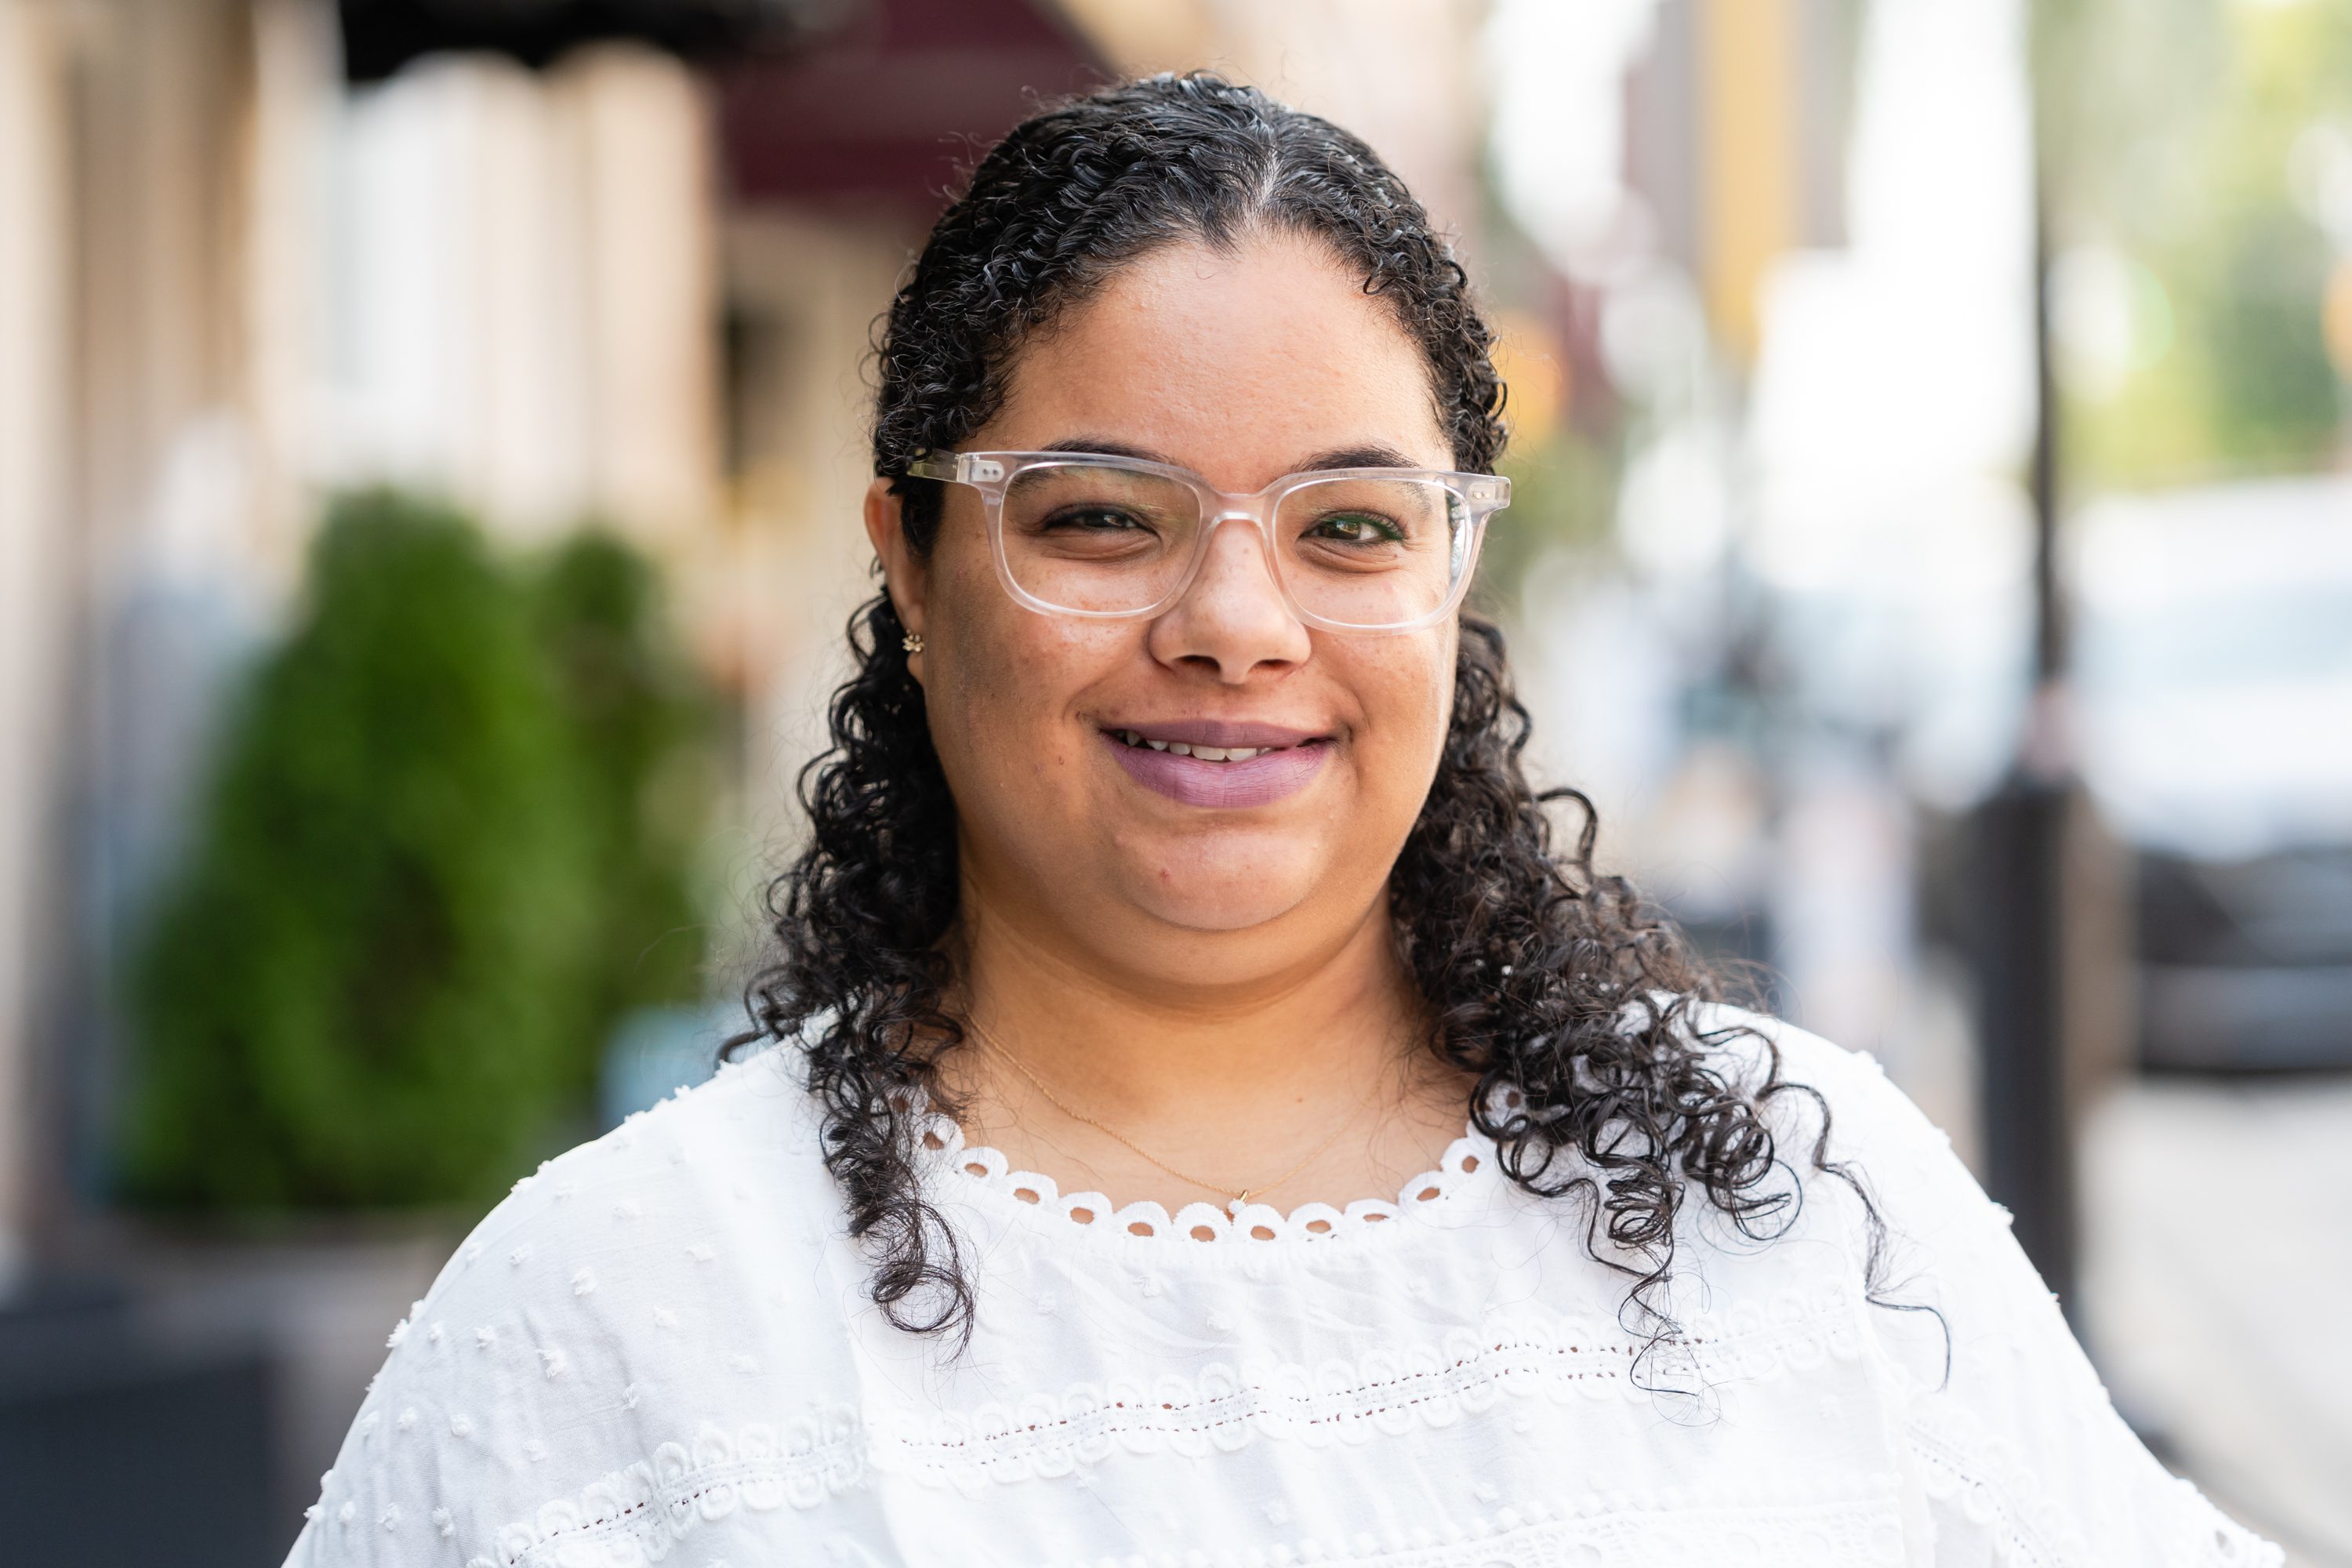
1231	621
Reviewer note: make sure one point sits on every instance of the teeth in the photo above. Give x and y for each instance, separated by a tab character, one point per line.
1204	753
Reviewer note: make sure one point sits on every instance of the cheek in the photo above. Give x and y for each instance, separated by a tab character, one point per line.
1407	691
1001	686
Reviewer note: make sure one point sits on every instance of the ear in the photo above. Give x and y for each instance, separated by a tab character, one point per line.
904	574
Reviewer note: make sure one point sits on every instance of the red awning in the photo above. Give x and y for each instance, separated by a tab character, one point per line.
891	106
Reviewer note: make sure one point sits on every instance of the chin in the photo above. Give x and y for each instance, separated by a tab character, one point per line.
1249	879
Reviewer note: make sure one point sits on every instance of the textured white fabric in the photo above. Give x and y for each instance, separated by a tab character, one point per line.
660	1349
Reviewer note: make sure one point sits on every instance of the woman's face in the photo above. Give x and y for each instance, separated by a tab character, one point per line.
1242	368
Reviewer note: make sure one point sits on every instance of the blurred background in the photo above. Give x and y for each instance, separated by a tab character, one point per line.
430	434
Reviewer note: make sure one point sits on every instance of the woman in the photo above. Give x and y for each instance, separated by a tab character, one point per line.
1210	1123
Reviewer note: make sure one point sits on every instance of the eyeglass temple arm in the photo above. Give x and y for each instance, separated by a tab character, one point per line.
951	467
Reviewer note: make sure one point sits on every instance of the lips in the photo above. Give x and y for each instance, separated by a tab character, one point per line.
1218	764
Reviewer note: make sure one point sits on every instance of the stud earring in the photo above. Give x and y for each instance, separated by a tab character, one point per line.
912	642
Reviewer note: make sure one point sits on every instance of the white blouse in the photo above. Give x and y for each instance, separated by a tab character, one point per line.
660	1349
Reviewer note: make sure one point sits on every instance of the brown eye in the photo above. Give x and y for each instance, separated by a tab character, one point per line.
1094	519
1358	527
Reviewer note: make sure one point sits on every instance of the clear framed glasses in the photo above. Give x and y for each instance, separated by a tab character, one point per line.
1367	551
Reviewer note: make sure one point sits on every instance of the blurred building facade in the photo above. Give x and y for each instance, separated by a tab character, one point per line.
250	258
624	286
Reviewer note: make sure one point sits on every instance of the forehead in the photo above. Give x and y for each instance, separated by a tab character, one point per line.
1240	366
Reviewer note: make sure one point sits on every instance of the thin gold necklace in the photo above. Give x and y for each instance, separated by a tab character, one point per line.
1240	1195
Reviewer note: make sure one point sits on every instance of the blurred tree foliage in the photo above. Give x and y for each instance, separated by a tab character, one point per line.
641	724
450	838
2169	131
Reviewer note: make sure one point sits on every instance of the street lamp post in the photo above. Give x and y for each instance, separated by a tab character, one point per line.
2017	888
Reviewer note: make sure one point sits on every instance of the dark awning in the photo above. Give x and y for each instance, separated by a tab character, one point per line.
381	36
887	108
819	100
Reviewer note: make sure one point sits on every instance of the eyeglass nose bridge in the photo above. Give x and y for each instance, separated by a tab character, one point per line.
1218	509
1256	511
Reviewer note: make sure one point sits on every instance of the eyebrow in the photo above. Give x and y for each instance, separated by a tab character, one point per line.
1373	454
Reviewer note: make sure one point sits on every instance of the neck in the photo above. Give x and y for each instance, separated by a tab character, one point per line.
1232	1042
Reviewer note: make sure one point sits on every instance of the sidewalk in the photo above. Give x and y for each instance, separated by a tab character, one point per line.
2217	1293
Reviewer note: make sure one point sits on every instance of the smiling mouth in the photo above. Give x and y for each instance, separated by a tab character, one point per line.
1197	762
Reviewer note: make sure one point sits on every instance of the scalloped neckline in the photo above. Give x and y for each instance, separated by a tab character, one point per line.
1468	1162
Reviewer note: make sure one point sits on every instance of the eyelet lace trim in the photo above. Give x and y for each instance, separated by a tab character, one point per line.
1224	1408
637	1515
1991	1483
1468	1160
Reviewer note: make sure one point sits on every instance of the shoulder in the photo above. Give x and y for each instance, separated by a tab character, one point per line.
631	1254
678	1214
1870	1168
2004	1422
747	1138
1876	1179
1813	1089
672	1285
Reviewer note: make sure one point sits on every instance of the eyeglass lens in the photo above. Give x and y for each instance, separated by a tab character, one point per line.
1358	552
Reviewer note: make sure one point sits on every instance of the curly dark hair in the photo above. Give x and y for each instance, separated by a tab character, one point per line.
1534	971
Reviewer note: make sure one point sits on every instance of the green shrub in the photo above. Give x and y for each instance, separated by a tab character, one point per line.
407	916
643	724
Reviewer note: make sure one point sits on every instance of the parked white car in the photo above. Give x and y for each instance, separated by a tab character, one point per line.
2213	674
